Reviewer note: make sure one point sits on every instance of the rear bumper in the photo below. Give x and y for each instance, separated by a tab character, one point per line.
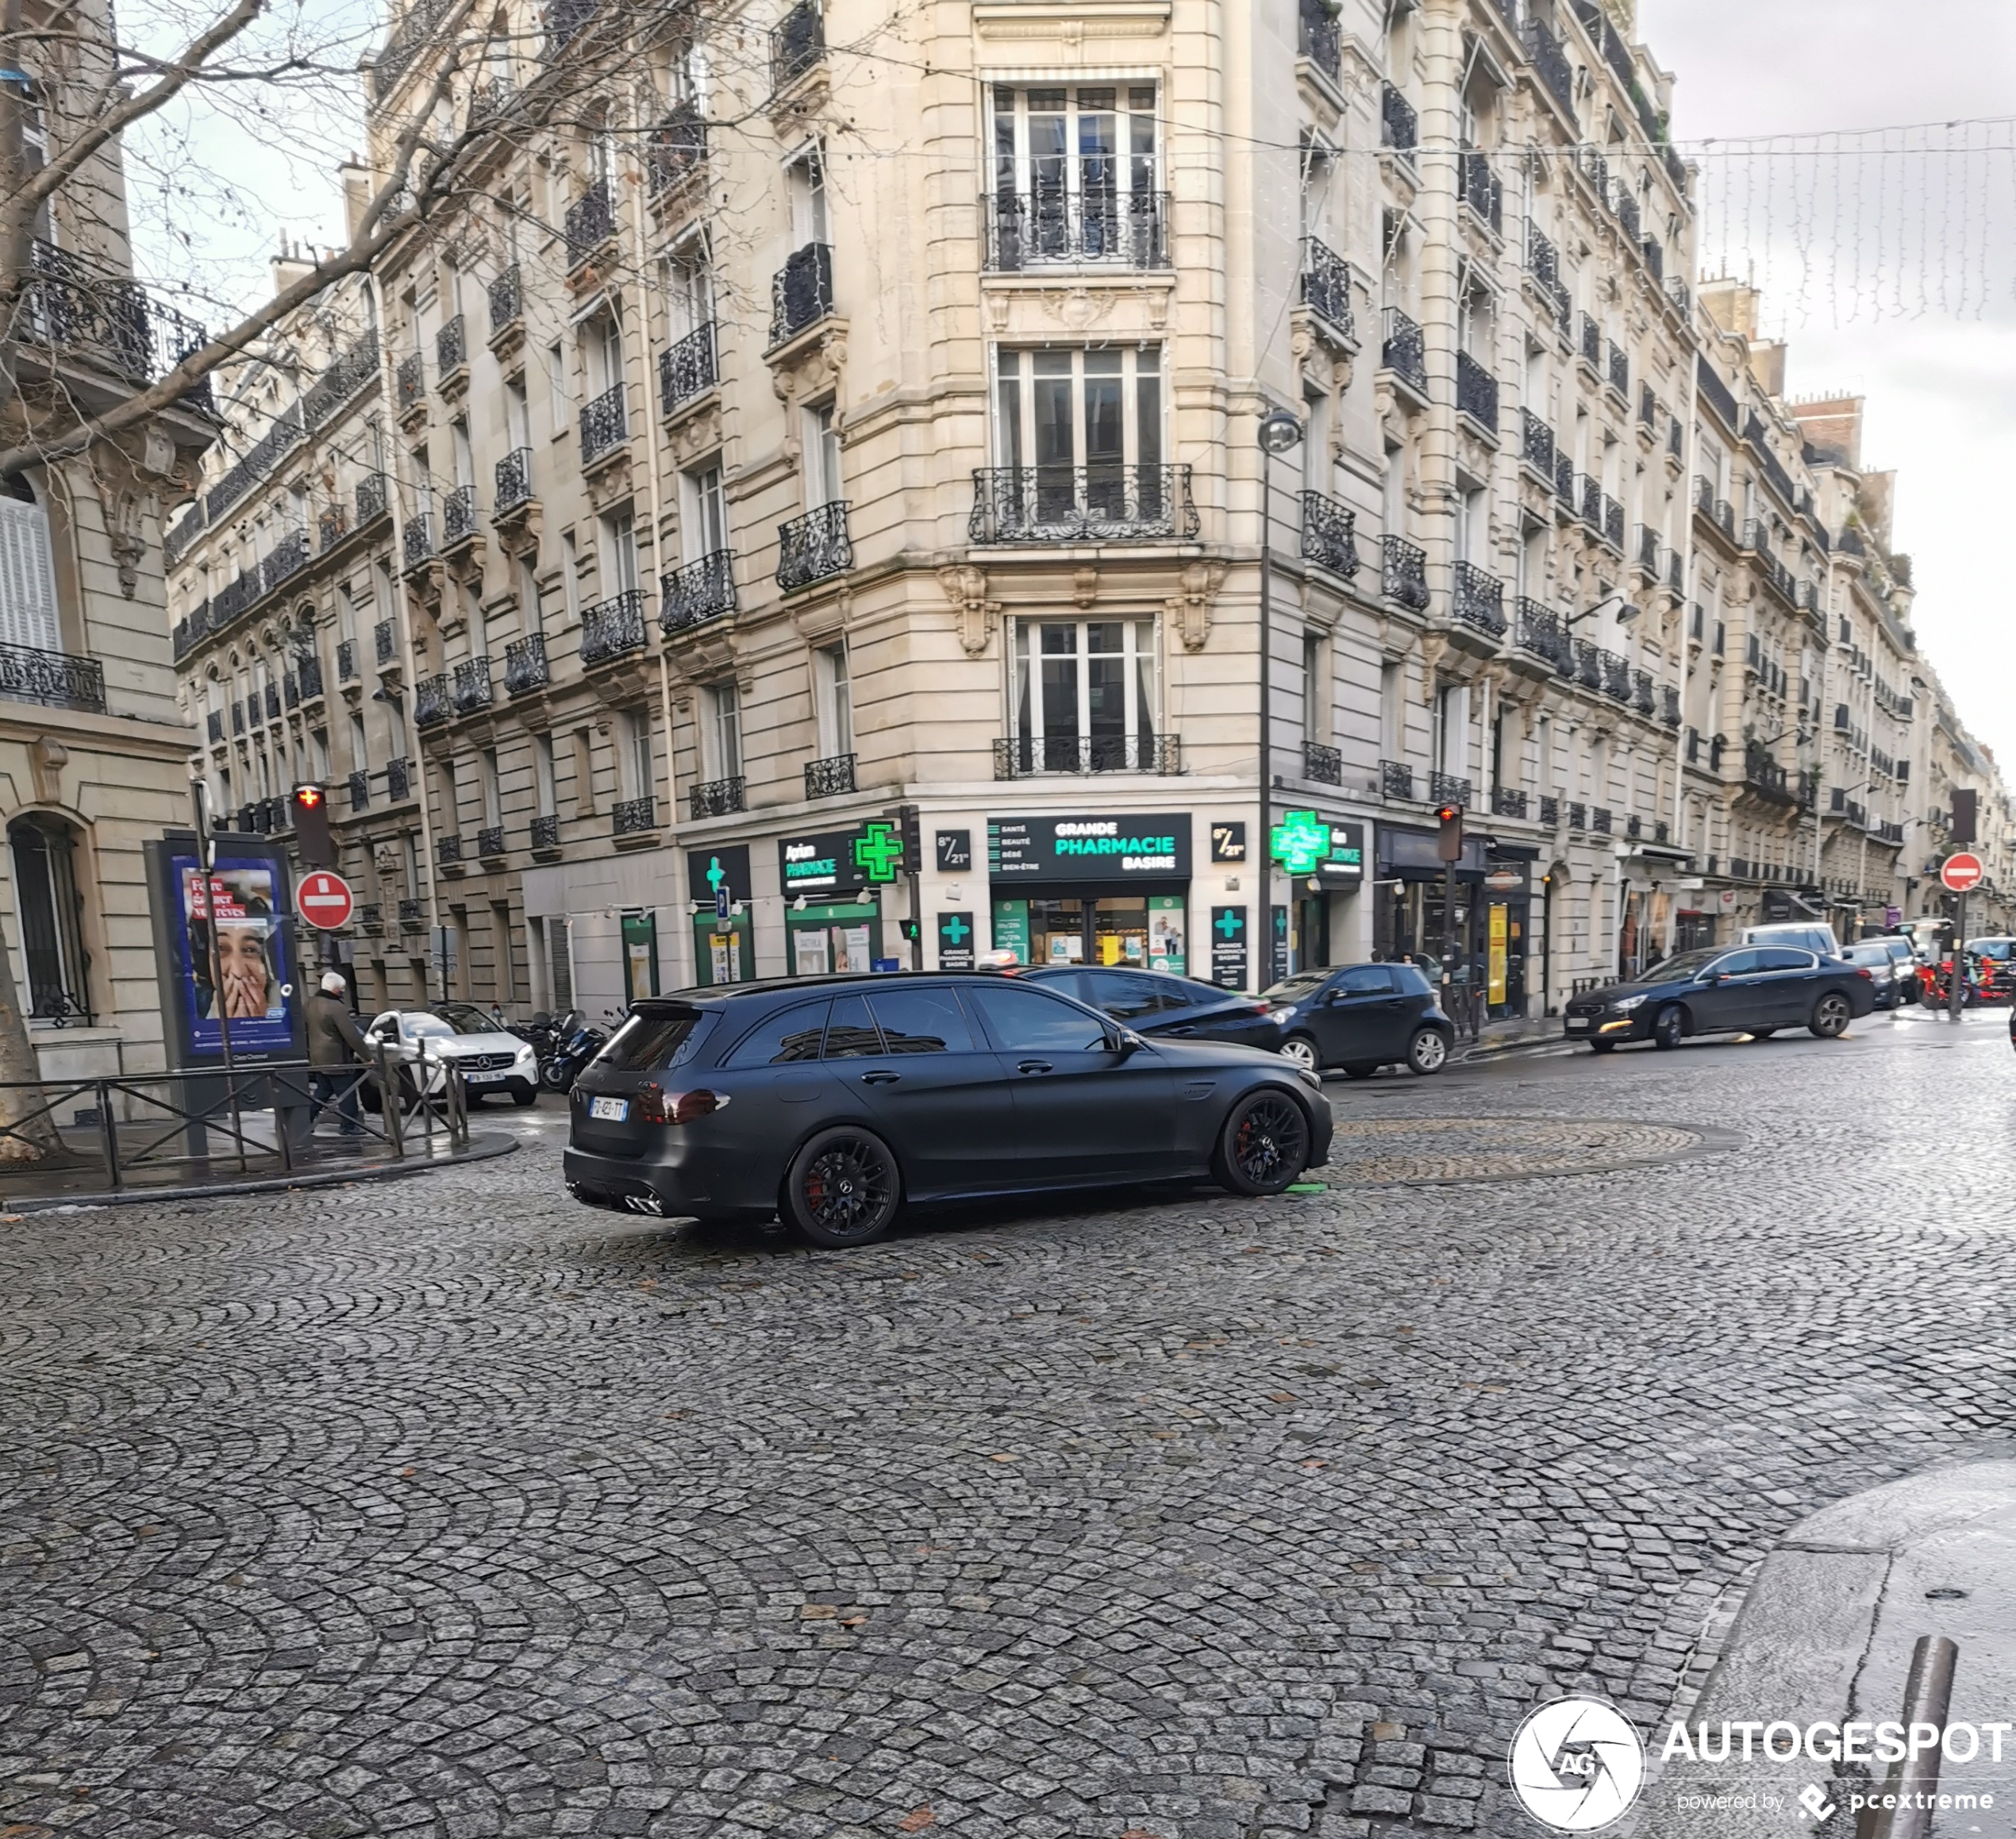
679	1185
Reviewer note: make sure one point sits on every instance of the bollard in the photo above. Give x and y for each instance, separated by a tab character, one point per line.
108	1131
1927	1691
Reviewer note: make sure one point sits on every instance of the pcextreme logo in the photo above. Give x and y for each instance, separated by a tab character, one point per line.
1577	1765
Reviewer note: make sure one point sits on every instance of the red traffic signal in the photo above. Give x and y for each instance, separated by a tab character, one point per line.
1449	841
309	807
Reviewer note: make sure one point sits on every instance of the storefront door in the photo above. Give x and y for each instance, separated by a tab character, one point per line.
1137	931
834	937
724	950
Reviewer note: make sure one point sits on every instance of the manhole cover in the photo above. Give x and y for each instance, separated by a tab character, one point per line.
1374	1150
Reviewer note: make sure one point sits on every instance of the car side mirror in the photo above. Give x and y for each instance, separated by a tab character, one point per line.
1125	1042
1711	978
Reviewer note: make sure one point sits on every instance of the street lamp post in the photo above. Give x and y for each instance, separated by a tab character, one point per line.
1280	432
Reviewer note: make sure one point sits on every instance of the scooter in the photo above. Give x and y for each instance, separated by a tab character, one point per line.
578	1043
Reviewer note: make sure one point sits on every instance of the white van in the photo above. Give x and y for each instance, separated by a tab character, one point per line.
1804	934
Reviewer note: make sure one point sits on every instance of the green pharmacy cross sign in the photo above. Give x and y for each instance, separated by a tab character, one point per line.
1230	923
878	852
1300	841
716	874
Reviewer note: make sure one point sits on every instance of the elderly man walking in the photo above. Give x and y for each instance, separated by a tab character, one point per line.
335	1052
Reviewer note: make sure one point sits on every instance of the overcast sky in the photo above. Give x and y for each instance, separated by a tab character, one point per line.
1941	387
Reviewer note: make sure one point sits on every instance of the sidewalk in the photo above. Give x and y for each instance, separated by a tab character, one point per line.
1502	1038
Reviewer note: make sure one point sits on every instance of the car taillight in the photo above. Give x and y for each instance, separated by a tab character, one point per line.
1261	1008
656	1106
1862	972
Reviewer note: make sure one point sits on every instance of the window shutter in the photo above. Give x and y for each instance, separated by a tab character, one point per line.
28	585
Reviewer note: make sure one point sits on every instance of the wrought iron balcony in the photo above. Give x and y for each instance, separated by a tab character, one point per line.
288	557
815	547
1102	503
1564	480
489	97
398	778
417	540
1537	443
506	300
700	591
1326	285
1396	780
412	915
237	718
1403	572
605	424
1481	188
1624	207
525	664
512	480
451	348
1588	663
273	697
687	368
409	381
1550	61
52	679
430	703
591	221
546	833
629	817
1322	765
1577	815
1617	676
1539	632
676	148
1478	600
566	20
1403	352
1095	225
360	790
716	798
1328	535
1476	392
384	643
1544	263
458	516
1589	342
81	307
1599	820
1764	776
214	726
490	842
1506	803
1618	376
613	628
472	687
448	849
1018	755
371	499
797	44
801	293
1550	811
310	673
1445	788
335	526
1399	126
830	777
1319	38
1641	695
1645	549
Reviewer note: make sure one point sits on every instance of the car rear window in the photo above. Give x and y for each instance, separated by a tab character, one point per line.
652	1040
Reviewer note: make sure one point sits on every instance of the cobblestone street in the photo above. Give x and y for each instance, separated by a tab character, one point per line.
448	1507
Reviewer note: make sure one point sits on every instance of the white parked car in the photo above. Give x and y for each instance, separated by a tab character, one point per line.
490	1058
1800	935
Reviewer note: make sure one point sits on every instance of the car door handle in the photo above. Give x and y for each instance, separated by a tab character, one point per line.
1183	1030
881	1078
1032	1066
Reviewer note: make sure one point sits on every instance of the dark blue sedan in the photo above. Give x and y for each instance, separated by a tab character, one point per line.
1164	1006
1753	989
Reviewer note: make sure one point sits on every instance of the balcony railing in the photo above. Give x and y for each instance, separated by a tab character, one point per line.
360	790
1017	755
451	348
1399	126
371	499
814	547
1763	776
687	368
1619	373
801	293
629	817
700	591
1102	503
605	424
430	702
1617	676
1588	663
506	300
335	524
512	480
399	781
1480	188
614	627
546	833
1589	342
1328	533
1403	572
1507	802
525	665
75	305
489	841
458	516
676	148
591	221
1544	263
214	726
1095	225
412	914
448	849
1402	350
797	44
1396	780
1641	693
52	679
1478	600
1537	443
1476	392
1326	285
309	674
1599	820
1551	61
1322	765
417	540
1445	788
384	643
472	687
1550	810
1539	632
830	777
716	798
272	696
1319	38
409	381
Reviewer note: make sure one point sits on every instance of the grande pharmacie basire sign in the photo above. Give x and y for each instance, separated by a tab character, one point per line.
1125	849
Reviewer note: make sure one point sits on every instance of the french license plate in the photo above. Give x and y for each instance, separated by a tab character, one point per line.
1578	1023
483	1079
616	1111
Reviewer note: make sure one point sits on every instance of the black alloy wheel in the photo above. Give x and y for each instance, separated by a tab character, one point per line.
1669	1027
843	1188
1831	1016
1264	1145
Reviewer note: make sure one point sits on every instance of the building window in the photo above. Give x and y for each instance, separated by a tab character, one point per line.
619	552
836	702
703	523
689	290
1079	155
28	586
48	910
1085	695
805	176
722	741
1057	409
545	775
633	762
822	481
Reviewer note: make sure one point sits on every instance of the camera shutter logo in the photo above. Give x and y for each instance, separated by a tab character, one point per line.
1576	1765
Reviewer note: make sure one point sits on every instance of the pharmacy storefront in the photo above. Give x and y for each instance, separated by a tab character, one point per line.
834	883
1091	889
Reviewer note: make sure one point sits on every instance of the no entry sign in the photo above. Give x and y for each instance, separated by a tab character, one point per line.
1961	871
325	900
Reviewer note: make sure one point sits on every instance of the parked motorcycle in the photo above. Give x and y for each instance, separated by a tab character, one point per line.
579	1042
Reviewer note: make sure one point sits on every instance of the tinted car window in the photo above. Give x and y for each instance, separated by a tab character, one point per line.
792	1034
851	1032
1736	963
1293	989
1027	1022
1128	998
651	1043
1408	980
1777	958
1366	980
921	1021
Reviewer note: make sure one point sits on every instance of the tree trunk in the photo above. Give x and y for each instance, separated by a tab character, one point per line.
37	1138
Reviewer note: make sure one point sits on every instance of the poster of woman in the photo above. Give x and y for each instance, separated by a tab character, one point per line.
249	982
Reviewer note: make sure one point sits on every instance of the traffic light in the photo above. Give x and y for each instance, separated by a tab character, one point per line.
1448	843
910	829
311	811
1962	827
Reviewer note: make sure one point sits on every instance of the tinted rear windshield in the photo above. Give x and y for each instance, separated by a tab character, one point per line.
648	1043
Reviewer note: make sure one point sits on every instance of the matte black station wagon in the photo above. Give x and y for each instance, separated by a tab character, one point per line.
833	1101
